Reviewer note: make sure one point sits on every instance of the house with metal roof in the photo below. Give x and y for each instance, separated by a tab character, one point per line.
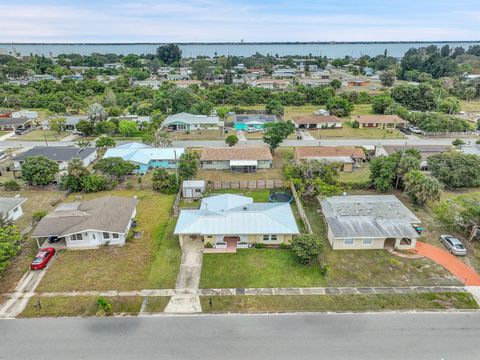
71	122
317	122
11	208
61	154
89	224
237	158
189	122
146	157
349	156
252	122
236	221
369	222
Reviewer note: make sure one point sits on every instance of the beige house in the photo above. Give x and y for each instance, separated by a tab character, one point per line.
369	222
235	221
380	121
317	122
350	157
237	158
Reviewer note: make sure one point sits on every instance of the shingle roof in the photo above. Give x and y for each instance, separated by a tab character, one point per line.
317	119
234	214
311	152
109	214
57	153
7	204
246	118
368	216
236	153
14	121
380	119
425	150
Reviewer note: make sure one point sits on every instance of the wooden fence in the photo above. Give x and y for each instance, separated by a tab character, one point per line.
176	204
301	211
246	184
449	134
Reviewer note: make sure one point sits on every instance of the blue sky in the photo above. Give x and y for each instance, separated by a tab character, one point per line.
226	20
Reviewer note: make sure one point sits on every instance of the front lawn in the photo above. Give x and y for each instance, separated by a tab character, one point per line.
350	133
370	302
151	261
35	200
41	135
257	268
80	306
199	135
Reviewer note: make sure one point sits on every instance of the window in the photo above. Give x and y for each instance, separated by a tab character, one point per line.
273	237
266	237
106	235
198	191
209	162
115	235
367	241
269	237
348	242
181	127
76	237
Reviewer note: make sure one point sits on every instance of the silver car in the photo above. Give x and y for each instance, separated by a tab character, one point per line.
453	245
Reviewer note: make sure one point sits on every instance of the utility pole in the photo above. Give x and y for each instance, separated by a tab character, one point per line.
45	137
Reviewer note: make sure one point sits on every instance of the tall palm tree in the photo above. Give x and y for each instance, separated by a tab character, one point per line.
76	168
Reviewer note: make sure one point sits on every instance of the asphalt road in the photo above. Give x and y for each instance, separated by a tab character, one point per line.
412	140
309	336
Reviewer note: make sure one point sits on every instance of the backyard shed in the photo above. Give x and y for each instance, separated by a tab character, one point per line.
193	189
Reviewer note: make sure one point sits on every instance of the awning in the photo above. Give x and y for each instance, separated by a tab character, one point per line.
243	163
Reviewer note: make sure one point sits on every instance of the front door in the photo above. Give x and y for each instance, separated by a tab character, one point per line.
389	243
231	241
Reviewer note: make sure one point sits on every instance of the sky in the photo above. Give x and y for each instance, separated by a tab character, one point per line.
248	20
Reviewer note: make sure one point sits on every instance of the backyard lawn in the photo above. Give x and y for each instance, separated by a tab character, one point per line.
36	200
80	306
470	106
41	135
149	262
370	302
358	177
199	135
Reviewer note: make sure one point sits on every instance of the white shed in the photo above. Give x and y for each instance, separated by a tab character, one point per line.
193	189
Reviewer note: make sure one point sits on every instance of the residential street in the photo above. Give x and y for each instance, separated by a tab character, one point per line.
303	336
412	140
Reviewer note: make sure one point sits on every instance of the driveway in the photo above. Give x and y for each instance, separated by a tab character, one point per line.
186	298
450	262
306	135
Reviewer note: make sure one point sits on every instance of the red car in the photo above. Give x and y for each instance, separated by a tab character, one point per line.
42	258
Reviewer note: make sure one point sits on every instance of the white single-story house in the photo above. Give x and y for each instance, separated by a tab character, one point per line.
236	221
71	122
11	208
89	224
237	158
369	222
193	189
189	122
380	121
145	156
60	154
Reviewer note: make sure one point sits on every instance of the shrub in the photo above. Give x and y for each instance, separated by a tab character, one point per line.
306	248
458	142
259	245
11	185
39	214
355	124
103	306
208	245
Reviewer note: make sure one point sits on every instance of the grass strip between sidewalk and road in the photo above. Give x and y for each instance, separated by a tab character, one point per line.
80	306
339	303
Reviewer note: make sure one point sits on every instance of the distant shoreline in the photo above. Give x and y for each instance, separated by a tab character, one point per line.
249	43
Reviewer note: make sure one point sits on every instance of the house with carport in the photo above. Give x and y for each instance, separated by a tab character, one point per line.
236	159
380	121
350	157
234	221
317	122
89	224
190	122
357	222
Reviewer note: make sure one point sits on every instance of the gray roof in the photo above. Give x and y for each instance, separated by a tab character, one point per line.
7	204
368	216
191	119
425	150
109	214
14	121
234	214
57	153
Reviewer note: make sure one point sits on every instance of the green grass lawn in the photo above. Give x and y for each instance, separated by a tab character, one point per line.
257	268
370	302
80	306
470	106
151	261
41	135
157	304
35	200
261	195
359	176
350	133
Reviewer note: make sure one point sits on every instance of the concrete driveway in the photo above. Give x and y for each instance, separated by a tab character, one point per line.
186	298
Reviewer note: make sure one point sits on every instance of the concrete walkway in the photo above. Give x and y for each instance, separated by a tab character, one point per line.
185	299
449	262
241	137
306	135
23	293
7	136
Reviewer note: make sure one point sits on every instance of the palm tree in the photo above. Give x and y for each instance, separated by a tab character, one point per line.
162	139
76	168
96	113
421	188
406	164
